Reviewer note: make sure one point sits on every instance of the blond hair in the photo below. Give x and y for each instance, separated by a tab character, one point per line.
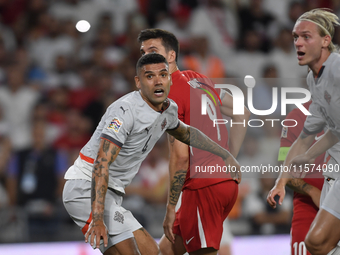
326	22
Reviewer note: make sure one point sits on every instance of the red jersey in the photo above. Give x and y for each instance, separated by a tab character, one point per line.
189	100
304	207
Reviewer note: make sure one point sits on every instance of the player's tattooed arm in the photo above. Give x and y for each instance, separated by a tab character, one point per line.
195	138
107	153
299	185
176	186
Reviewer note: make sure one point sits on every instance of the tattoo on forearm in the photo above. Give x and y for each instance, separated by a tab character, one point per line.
299	185
195	138
106	146
97	216
114	152
176	186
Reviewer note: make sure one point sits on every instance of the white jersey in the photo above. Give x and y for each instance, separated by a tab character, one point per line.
325	107
135	127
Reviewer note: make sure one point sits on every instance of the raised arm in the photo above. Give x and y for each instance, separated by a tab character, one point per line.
300	146
238	131
107	153
195	138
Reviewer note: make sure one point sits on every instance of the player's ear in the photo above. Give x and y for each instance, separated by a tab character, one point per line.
326	40
137	81
171	56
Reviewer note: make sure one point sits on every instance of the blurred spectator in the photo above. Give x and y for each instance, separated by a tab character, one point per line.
215	20
83	96
62	75
123	80
278	9
35	181
284	57
111	56
17	101
263	98
202	61
265	220
5	152
4	60
96	109
46	47
256	18
58	100
11	10
42	112
250	60
33	11
75	136
177	23
295	10
8	38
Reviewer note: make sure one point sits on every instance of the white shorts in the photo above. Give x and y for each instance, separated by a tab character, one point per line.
330	199
120	222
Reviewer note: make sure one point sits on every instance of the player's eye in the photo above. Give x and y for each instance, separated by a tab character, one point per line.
149	76
164	75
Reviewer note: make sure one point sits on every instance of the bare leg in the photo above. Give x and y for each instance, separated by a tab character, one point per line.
146	244
324	233
126	247
225	250
167	248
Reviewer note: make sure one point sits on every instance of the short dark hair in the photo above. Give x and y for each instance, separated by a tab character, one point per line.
169	40
152	58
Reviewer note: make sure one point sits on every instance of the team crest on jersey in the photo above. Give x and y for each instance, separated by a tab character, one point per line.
163	124
327	97
284	132
115	125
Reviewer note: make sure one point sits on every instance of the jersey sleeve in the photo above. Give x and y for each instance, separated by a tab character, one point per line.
173	116
314	123
289	133
118	123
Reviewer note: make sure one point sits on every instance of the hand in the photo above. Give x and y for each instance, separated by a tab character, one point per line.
168	223
97	231
235	169
277	190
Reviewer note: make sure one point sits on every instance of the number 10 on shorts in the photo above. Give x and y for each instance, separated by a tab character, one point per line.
299	248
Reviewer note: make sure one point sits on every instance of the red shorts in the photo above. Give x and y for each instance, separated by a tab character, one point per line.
298	233
199	221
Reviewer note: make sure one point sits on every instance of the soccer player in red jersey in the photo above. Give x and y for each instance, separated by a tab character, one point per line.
306	191
197	226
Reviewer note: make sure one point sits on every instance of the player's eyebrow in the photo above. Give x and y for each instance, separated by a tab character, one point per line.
302	32
160	71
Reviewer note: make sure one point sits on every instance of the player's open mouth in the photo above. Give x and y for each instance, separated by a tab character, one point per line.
300	55
159	92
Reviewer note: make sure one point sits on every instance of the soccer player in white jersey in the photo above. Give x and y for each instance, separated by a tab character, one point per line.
107	163
313	34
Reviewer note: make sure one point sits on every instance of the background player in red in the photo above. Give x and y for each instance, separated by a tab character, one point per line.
199	229
306	191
